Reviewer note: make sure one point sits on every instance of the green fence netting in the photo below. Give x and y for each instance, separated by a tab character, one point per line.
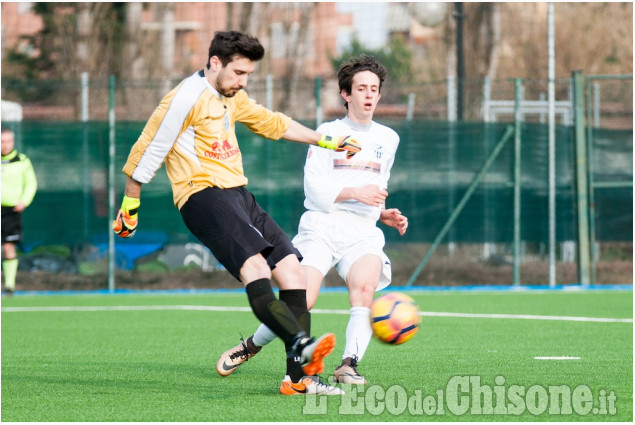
435	164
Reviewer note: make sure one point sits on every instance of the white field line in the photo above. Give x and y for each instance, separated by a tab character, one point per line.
557	358
530	317
316	311
125	308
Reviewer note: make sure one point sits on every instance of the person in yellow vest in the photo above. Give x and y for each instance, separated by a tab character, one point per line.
18	189
193	132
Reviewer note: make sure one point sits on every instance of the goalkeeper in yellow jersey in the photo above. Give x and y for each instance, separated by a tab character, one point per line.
192	132
18	189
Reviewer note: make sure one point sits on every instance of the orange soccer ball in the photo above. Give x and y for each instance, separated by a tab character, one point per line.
394	318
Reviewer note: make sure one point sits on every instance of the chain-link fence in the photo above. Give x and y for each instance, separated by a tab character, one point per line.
610	106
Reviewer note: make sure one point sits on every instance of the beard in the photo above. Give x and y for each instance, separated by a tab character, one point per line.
227	92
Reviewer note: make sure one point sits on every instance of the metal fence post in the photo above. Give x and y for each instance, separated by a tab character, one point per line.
487	97
111	182
411	106
596	104
589	161
318	102
451	99
85	153
551	70
269	91
581	173
518	90
452	117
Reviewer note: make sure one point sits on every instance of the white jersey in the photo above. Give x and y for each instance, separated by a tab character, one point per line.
327	172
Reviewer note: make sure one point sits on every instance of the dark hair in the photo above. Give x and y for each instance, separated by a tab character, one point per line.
227	44
362	63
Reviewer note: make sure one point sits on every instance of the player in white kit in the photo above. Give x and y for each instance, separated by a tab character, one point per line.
344	199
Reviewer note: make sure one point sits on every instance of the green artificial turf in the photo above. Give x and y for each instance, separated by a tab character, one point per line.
139	358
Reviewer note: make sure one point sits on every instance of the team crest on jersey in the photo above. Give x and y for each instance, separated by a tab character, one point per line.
379	151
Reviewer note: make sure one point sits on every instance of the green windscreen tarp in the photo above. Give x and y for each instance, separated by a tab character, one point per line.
435	164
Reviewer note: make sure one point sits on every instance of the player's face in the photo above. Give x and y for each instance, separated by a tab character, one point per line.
233	77
8	141
364	96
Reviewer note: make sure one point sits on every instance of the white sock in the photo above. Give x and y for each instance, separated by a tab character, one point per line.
263	335
358	333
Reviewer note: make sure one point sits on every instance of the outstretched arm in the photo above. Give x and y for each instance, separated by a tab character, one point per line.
301	134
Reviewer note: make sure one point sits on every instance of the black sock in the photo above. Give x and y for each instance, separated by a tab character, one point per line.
296	300
271	311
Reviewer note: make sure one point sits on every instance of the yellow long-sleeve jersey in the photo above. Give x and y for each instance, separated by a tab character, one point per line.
193	132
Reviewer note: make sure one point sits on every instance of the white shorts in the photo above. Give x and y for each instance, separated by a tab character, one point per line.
339	239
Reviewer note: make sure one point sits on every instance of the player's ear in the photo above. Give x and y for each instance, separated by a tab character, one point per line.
346	96
215	64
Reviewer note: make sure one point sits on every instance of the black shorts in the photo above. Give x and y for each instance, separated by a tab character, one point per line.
11	225
234	227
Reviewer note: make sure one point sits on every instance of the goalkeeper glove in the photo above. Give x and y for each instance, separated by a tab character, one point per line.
125	224
339	144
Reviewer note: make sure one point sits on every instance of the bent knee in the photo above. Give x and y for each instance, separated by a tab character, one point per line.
362	295
255	268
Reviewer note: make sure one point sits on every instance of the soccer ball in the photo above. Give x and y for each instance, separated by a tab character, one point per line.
394	318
